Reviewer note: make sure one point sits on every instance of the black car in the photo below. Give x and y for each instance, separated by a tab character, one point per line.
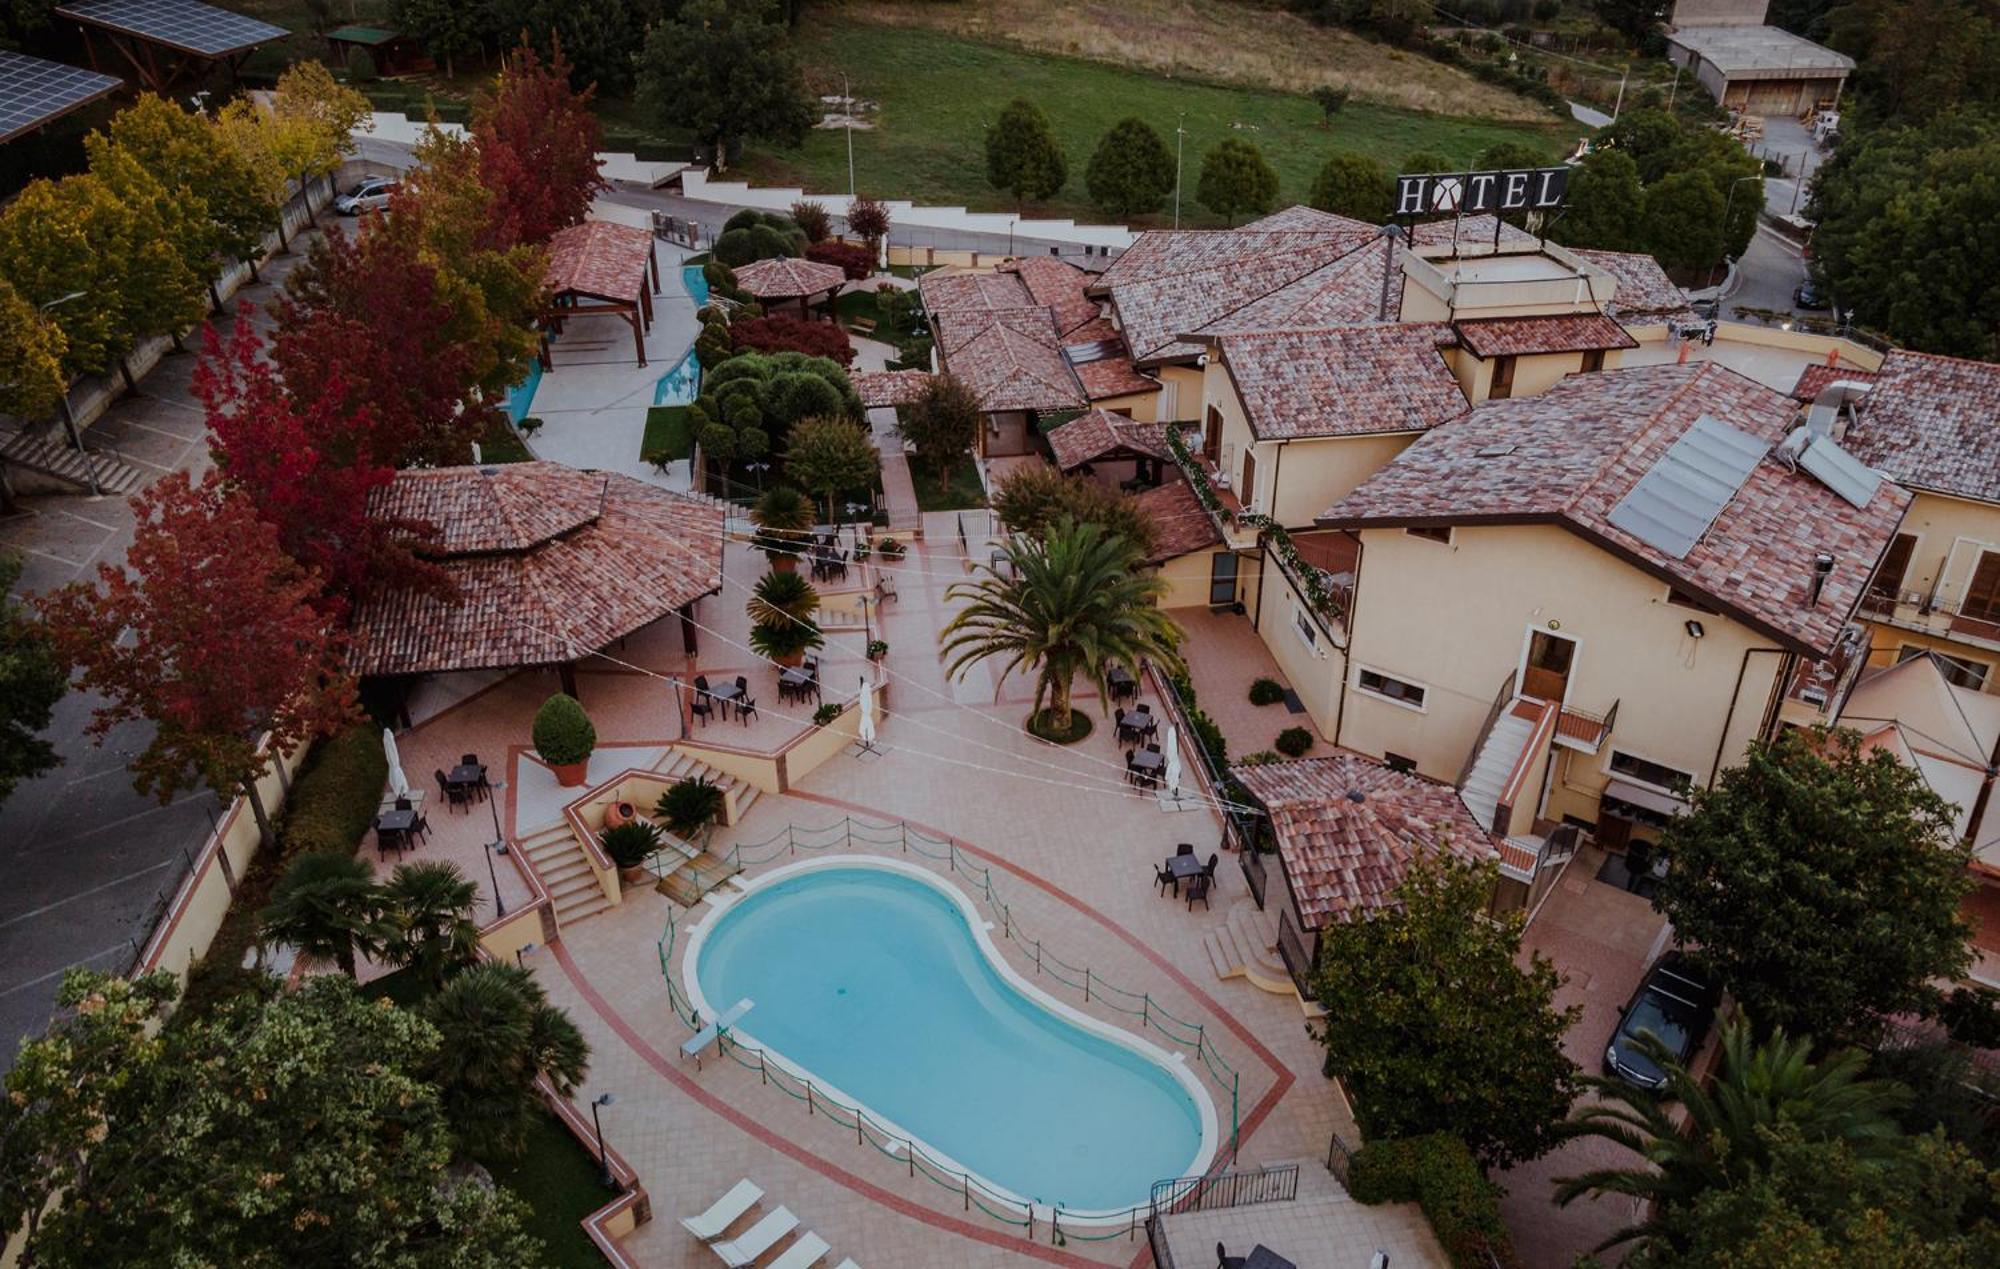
1811	296
1674	1004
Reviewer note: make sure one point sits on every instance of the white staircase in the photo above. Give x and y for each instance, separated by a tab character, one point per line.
740	795
559	860
1481	791
1246	945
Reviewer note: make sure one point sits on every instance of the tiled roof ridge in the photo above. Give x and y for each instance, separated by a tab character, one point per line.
1341	264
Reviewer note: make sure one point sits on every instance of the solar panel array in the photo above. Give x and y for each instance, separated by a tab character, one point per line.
183	24
1840	471
1679	497
34	91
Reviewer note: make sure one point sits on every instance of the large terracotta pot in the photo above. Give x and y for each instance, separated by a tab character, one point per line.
619	813
793	660
571	775
784	563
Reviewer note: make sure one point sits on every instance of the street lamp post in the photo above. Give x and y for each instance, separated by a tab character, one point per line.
499	847
68	417
603	1155
521	954
847	108
1180	132
1728	205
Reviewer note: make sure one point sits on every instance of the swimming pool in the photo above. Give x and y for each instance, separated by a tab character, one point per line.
881	984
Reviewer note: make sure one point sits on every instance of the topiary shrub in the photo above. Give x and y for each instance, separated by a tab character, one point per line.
631	843
1439	1174
562	732
1266	692
1293	741
334	800
689	805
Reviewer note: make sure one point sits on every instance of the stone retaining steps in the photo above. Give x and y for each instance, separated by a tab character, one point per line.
559	860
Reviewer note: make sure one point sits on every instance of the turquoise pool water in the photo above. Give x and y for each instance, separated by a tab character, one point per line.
521	397
870	980
680	385
695	282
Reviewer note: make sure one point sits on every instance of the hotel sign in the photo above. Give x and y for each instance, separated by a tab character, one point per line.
1522	189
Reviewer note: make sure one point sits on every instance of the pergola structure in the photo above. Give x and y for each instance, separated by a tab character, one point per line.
35	92
546	564
392	52
784	278
600	266
166	41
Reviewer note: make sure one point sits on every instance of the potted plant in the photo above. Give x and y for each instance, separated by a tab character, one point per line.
781	611
892	549
784	519
689	806
877	649
630	844
863	549
564	738
827	713
786	644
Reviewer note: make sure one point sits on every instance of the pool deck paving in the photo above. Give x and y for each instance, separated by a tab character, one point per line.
1071	850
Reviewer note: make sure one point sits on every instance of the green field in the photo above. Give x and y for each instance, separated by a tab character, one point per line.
939	93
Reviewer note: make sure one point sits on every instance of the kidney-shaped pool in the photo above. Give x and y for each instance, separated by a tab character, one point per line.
880	983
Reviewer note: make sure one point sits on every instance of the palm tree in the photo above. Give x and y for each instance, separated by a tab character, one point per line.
500	1032
1070	603
1722	1136
784	519
430	906
329	908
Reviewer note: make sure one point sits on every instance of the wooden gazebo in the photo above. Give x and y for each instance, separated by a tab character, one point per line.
600	266
784	278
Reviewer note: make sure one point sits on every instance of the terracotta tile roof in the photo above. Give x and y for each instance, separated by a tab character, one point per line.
1644	292
1113	377
1343	291
1813	378
1472	229
1089	437
1933	423
1344	857
1197	287
1011	359
599	258
1180	524
1526	336
1061	286
888	387
784	278
1299	216
1161	253
548	563
1569	455
1343	381
958	290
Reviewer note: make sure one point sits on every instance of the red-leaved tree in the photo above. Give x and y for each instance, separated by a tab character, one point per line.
308	467
853	259
790	334
209	632
538	143
365	325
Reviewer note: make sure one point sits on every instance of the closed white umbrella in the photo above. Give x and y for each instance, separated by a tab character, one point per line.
399	784
1173	774
867	714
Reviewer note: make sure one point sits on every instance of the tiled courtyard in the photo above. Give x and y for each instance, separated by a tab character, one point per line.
1071	848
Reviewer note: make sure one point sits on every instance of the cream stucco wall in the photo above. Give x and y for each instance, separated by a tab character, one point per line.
1455	618
1314	666
1951	534
1186	577
1532	375
1142	406
1180	392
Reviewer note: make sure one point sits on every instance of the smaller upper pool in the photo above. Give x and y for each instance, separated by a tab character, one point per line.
695	282
880	984
682	384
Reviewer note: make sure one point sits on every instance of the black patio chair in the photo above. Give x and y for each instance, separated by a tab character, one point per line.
1185	848
388	840
422	826
704	704
1223	1260
746	704
1208	869
1197	889
453	794
1164	877
404	804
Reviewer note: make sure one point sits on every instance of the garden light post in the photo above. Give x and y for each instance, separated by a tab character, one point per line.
68	417
1180	132
521	954
847	104
603	1155
499	848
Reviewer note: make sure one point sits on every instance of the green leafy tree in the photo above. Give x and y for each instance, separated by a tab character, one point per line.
1132	170
299	1130
499	1033
723	69
329	908
429	908
1354	185
320	114
63	247
1033	500
189	155
941	424
1023	155
31	682
1435	1026
448	29
1430	161
1682	225
1504	155
1648	135
1235	179
164	228
1068	604
32	381
1634	19
1695	1139
1330	100
1821	884
1606	204
831	457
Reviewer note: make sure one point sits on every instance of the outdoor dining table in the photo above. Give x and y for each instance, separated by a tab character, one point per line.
1185	866
396	826
1122	683
1262	1257
467	775
797	681
1148	763
1136	720
726	695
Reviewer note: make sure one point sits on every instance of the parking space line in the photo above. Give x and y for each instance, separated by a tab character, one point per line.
101	887
95	524
58	973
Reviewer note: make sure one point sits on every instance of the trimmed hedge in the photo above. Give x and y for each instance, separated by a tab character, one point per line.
1438	1173
336	795
1266	692
1293	742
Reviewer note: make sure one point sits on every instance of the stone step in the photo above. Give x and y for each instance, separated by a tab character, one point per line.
1224	957
54	457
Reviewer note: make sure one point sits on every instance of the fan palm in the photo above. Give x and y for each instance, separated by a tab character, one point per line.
1070	603
430	905
329	908
500	1032
1723	1138
784	518
781	599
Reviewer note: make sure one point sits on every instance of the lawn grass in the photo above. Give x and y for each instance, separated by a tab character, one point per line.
667	430
561	1182
964	489
502	444
938	94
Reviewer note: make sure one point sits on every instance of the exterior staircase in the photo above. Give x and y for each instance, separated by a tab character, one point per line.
52	456
1245	945
1495	762
738	795
559	860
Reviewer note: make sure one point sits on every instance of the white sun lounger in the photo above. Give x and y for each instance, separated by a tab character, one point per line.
808	1251
758	1239
847	1264
722	1213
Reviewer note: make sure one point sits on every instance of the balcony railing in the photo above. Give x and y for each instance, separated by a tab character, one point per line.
1581	729
1823	684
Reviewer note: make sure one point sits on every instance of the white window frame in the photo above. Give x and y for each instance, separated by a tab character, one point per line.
1911	651
1302	626
1415	707
1693	780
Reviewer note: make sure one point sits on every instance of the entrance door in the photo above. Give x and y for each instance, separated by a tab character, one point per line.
1545	676
1211	435
1222	568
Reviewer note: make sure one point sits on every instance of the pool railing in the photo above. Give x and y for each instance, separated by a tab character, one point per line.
973	1193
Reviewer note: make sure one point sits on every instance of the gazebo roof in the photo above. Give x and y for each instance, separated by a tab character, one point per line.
784	278
889	387
601	259
547	564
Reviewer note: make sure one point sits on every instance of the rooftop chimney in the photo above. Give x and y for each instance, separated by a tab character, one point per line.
1822	565
1390	233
